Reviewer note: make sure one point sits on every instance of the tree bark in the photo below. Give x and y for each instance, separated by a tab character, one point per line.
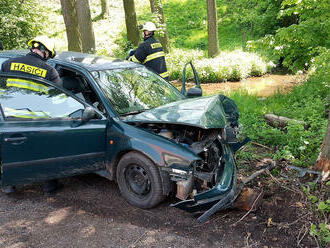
323	161
212	27
85	26
131	23
104	9
152	6
161	25
71	24
281	121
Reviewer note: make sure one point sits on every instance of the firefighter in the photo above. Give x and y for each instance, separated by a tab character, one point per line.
41	49
150	53
34	63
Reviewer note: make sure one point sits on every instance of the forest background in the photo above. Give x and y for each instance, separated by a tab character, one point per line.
252	38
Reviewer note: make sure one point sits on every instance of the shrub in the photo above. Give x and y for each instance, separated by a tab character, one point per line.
19	22
227	66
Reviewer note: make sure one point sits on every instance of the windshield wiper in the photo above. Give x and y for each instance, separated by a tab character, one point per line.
134	112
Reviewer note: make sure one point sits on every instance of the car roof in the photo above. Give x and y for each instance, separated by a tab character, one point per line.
90	62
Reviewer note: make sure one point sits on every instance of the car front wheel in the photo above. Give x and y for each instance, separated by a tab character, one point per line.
139	181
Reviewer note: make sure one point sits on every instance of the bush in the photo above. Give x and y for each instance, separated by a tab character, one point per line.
19	22
227	66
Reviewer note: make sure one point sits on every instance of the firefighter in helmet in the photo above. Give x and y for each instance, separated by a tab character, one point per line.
34	63
150	53
41	49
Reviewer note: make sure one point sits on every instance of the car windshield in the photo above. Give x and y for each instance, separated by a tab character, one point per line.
133	90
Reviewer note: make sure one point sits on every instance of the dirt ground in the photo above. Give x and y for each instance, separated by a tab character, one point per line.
89	212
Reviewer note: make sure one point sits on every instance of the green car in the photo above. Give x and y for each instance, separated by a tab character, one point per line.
121	121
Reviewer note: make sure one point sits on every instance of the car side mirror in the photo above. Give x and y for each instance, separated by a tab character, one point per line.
194	92
88	114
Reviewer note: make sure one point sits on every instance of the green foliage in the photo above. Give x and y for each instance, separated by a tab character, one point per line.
302	40
227	66
19	22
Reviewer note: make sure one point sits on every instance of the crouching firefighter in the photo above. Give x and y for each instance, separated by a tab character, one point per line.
34	63
150	53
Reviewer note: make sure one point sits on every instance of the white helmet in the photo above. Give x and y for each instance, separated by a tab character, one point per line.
44	41
148	26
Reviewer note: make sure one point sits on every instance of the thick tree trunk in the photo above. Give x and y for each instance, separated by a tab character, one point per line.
131	23
161	25
212	27
71	24
323	161
85	26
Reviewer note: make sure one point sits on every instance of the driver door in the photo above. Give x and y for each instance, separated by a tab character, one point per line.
41	133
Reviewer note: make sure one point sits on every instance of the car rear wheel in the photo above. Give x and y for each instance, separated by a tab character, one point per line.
139	181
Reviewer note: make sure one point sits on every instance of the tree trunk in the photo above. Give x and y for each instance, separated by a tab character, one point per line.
152	6
212	27
131	23
104	9
161	25
71	24
323	161
85	26
281	121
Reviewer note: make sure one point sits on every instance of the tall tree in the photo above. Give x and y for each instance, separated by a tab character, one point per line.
152	6
131	23
212	28
157	8
104	8
85	26
71	24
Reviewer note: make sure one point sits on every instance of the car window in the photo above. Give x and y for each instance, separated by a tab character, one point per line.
136	89
2	60
22	99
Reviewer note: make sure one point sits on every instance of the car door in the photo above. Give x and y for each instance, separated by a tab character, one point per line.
42	135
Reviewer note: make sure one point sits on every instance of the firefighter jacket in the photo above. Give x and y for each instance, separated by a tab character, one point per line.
150	53
33	64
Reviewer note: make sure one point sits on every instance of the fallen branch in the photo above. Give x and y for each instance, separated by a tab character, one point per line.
278	182
257	173
281	121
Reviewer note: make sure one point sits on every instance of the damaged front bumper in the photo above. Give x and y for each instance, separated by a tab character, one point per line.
220	196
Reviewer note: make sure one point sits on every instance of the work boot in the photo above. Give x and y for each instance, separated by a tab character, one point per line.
8	189
51	187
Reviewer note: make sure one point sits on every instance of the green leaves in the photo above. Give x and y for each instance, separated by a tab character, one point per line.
20	21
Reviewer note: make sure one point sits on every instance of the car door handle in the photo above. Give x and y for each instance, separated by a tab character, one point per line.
17	139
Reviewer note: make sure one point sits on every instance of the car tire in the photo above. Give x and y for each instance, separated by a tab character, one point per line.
139	181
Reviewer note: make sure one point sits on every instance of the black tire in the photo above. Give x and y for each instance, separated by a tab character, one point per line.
139	181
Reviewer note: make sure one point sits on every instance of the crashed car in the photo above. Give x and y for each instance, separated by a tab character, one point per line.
119	120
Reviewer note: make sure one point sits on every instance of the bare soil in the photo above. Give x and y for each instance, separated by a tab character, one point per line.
89	212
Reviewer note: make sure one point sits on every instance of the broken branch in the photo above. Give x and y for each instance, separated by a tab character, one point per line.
281	121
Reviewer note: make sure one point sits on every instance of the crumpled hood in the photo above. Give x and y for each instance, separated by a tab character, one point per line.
204	112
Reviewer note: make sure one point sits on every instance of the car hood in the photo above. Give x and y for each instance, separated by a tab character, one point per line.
204	112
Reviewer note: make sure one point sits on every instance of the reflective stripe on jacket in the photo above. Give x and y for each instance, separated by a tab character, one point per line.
151	54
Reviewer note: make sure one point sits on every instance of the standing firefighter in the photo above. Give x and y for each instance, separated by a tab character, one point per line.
34	63
150	53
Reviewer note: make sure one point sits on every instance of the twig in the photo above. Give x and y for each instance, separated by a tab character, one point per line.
247	239
302	237
247	213
292	190
257	173
261	145
317	243
138	239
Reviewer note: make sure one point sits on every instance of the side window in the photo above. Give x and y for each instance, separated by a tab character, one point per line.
22	99
2	60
